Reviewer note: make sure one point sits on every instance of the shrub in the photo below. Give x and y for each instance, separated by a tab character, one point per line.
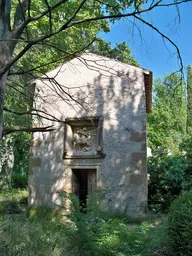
180	225
40	212
19	180
13	202
186	145
95	233
168	178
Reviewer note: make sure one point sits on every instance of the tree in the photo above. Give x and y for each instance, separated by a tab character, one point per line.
26	26
167	122
15	147
189	100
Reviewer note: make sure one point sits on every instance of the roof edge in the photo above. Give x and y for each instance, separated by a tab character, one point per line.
147	71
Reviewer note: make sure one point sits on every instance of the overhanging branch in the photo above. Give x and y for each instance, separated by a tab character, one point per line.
71	23
35	112
7	130
164	37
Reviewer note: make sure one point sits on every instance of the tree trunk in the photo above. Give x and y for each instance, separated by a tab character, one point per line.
7	163
6	51
2	98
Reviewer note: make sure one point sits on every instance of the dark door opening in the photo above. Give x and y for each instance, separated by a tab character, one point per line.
83	183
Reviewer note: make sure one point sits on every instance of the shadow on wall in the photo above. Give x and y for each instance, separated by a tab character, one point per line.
120	99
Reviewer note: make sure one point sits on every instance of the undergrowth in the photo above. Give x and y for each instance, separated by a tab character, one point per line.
13	202
89	233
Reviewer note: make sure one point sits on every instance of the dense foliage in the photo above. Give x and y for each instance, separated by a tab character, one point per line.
169	176
170	168
63	46
167	122
14	201
189	100
180	225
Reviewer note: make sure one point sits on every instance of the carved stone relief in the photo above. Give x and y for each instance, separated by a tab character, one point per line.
83	138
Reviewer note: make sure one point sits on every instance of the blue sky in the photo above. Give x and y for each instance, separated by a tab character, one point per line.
150	50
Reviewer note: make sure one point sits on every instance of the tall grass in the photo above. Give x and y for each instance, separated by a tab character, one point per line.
92	234
22	236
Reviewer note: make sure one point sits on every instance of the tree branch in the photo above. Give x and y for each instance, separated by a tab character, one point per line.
164	37
5	8
39	16
50	15
7	130
61	58
70	24
19	17
31	112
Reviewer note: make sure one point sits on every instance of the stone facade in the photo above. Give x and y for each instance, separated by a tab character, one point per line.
101	143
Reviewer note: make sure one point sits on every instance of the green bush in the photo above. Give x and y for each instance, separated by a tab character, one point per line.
94	233
180	225
169	176
19	180
13	202
40	212
186	145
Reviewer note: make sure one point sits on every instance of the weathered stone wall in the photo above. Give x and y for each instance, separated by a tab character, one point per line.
104	88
